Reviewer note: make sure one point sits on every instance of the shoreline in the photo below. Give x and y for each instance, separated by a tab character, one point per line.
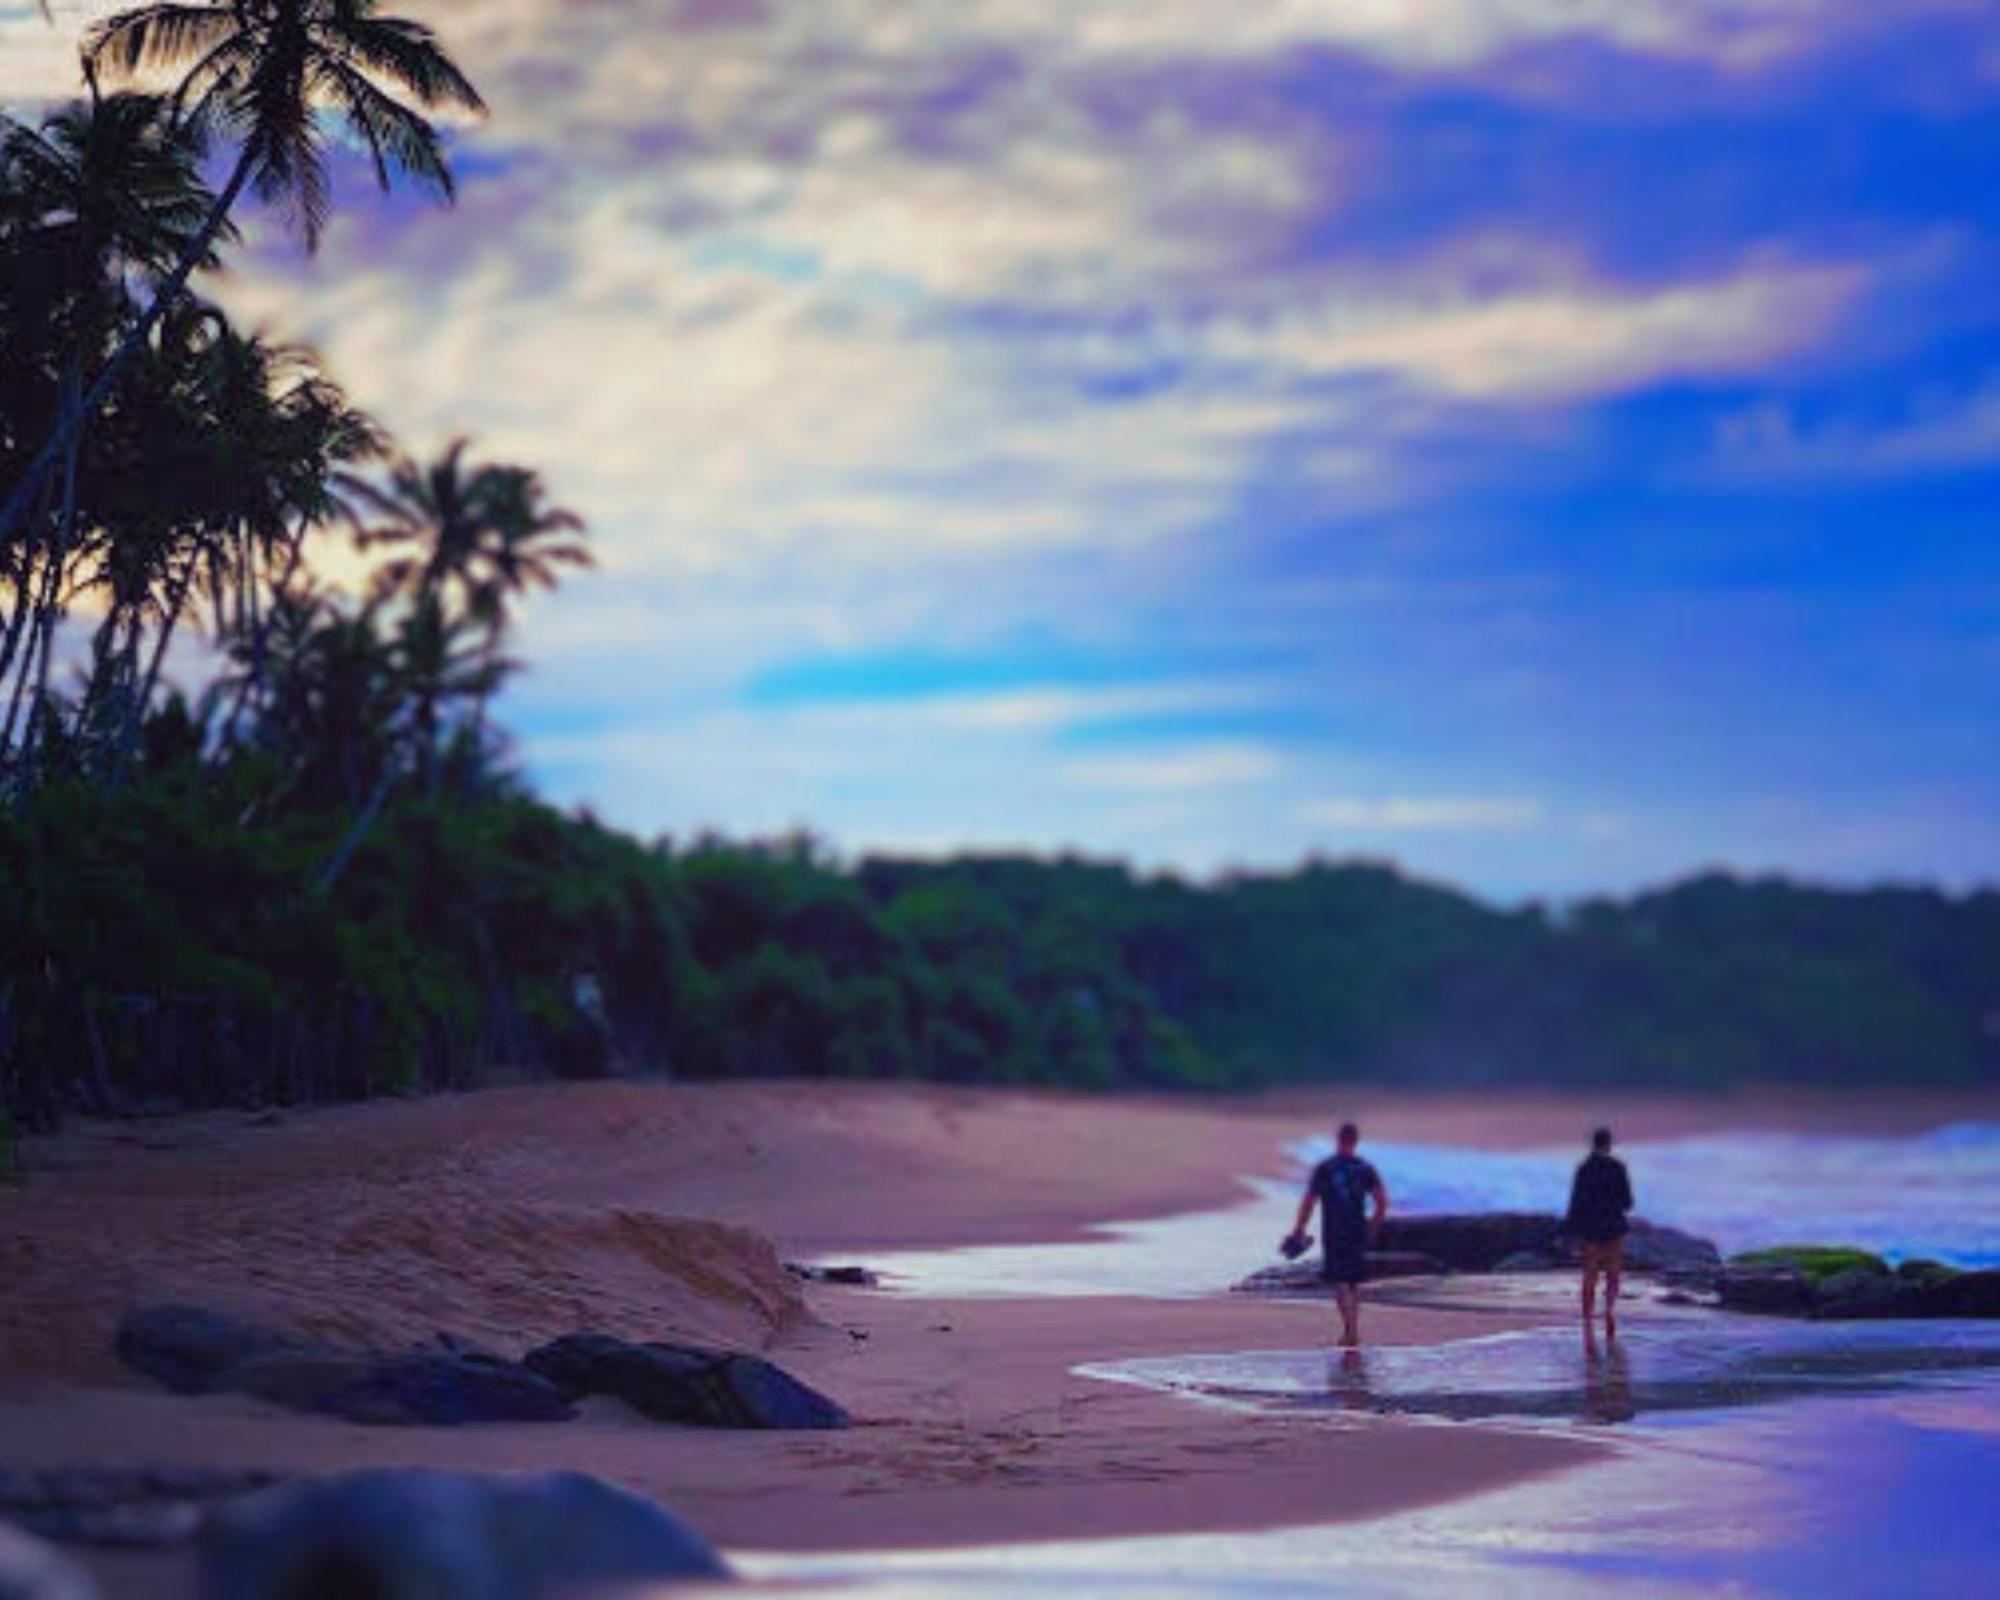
647	1210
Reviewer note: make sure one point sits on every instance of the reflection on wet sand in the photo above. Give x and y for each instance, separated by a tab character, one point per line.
1607	1380
1698	1362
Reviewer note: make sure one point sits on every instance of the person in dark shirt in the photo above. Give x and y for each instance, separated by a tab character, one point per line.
1599	1198
1343	1187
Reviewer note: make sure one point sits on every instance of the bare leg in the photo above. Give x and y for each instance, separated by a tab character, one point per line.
1614	1258
1590	1259
1349	1300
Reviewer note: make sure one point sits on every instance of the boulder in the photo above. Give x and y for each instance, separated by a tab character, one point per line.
684	1383
31	1570
196	1351
1775	1290
191	1349
1471	1241
1964	1294
420	1388
1532	1261
1687	1257
413	1534
854	1277
1303	1277
1858	1292
150	1505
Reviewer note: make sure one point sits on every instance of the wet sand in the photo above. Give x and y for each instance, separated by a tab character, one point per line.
663	1210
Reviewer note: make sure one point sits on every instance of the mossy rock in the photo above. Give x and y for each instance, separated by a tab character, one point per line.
1817	1261
1920	1270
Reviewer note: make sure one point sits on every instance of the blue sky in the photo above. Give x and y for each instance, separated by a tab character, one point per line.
1551	443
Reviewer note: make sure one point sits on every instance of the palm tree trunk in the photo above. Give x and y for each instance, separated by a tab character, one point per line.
337	862
65	524
23	493
260	640
135	712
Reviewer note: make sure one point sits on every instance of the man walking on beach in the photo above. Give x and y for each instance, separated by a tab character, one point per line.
1344	1187
1599	1198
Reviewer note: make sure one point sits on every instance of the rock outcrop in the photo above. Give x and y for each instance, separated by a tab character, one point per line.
1498	1241
684	1383
1778	1283
194	1350
30	1570
447	1536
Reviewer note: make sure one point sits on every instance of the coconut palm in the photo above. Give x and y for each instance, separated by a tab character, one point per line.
101	189
266	73
464	540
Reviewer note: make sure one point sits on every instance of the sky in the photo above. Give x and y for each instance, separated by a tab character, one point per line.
1552	444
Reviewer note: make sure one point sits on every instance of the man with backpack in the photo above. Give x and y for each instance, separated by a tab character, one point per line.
1344	1187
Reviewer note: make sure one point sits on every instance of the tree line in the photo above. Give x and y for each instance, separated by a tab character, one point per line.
260	840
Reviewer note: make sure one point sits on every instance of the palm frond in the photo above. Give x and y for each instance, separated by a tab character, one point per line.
156	36
406	54
398	139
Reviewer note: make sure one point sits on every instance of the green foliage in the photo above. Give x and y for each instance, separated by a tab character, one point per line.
1816	1261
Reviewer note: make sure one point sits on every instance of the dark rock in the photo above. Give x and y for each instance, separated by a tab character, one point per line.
446	1536
1858	1293
1964	1294
851	1276
191	1349
1532	1261
420	1388
1472	1241
1782	1291
679	1383
1919	1270
1652	1248
763	1395
30	1570
1303	1277
120	1505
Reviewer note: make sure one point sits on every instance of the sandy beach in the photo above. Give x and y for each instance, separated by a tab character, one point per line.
513	1215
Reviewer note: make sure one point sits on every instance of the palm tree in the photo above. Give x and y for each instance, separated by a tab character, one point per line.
473	535
266	71
100	189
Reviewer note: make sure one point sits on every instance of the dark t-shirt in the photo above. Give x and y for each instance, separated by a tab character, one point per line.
1599	1199
1343	1184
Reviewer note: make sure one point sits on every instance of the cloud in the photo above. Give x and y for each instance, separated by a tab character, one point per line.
1553	334
1196	766
1405	814
1946	435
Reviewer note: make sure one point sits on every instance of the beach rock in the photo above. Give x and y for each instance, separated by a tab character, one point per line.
1471	1241
421	1388
1772	1290
850	1276
1532	1261
414	1534
31	1570
197	1351
1964	1294
684	1383
1859	1293
1303	1277
155	1505
1687	1257
191	1349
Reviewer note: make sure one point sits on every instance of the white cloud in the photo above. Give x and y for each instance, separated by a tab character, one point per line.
1942	436
1550	332
1219	765
1401	814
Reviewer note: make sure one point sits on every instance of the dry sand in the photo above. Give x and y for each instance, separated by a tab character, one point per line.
663	1210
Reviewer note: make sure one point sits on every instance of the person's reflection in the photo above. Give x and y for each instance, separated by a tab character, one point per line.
1347	1380
1607	1380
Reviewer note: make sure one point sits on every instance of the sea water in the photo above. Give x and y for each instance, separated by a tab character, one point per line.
1934	1195
1753	1456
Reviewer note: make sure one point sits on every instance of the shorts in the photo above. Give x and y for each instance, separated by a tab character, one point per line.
1345	1262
